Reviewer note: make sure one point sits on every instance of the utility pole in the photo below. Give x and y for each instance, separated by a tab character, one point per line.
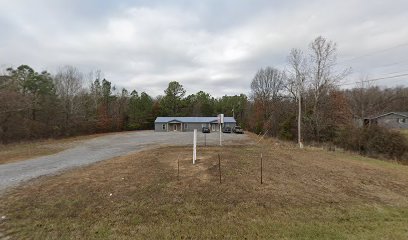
300	118
299	65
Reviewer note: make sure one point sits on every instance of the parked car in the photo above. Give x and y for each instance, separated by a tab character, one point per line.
237	129
226	130
205	130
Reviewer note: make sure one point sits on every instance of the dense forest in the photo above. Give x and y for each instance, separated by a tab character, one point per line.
42	105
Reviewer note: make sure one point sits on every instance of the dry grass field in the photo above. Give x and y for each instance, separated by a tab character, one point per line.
306	194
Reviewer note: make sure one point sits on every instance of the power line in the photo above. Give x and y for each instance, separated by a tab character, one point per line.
384	66
398	72
392	64
373	53
373	79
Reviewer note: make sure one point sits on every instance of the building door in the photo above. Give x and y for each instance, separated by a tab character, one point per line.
175	127
213	127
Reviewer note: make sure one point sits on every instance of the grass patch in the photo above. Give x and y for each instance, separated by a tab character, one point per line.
402	131
307	194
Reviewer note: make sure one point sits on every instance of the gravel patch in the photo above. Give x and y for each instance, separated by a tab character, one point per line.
102	148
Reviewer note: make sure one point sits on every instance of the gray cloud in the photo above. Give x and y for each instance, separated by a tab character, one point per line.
215	46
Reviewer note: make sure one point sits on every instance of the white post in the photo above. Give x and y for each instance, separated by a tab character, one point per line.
220	121
220	135
195	146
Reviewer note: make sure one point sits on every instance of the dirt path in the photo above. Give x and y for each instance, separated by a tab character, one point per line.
20	151
98	149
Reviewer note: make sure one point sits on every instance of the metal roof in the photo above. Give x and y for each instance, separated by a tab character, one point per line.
193	119
403	114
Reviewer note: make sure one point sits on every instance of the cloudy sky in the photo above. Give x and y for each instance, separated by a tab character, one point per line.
211	45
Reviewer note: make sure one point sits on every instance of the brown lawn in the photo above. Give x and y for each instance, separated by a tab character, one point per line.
307	194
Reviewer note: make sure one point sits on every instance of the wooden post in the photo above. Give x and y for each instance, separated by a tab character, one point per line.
219	166
205	139
261	169
178	168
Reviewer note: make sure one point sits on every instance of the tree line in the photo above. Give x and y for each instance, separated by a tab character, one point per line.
37	105
305	94
303	102
313	79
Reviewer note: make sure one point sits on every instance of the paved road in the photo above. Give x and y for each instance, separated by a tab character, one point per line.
101	148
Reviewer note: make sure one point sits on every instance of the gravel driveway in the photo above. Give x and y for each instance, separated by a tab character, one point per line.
102	148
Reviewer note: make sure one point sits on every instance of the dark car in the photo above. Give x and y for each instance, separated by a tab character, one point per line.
205	130
226	130
238	130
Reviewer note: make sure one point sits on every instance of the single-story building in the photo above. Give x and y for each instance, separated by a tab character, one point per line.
187	124
393	120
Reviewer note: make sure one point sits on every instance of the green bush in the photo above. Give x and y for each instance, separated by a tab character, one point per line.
287	129
374	141
133	126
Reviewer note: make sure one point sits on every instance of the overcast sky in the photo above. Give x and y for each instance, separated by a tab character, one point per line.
211	45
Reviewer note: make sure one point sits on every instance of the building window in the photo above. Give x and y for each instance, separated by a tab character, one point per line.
164	126
401	120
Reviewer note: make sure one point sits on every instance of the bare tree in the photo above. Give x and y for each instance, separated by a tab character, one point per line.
267	84
95	87
367	100
296	81
324	77
68	82
362	100
266	88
